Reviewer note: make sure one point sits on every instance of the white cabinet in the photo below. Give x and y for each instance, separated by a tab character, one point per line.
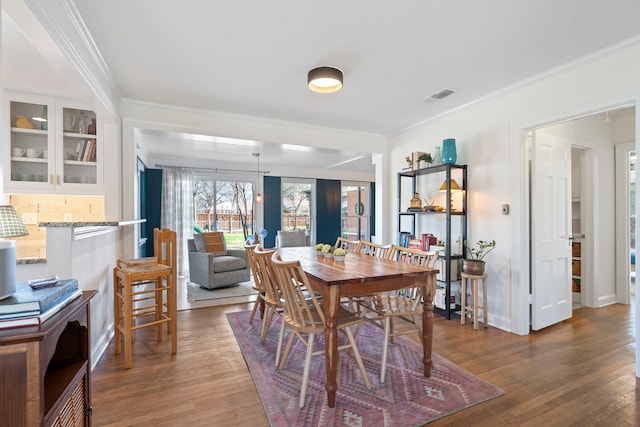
51	145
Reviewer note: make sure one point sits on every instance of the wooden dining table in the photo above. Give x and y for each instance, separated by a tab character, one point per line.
361	275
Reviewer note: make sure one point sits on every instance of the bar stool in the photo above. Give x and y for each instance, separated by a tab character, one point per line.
145	295
474	305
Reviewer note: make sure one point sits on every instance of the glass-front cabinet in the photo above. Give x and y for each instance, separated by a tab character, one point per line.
52	146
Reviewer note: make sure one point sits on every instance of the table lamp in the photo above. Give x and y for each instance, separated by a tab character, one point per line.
10	226
454	189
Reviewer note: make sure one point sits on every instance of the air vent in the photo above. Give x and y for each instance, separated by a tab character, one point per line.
439	95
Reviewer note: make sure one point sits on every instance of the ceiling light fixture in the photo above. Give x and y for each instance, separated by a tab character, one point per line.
325	79
258	196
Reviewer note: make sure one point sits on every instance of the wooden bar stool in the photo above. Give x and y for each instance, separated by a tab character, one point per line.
145	295
475	305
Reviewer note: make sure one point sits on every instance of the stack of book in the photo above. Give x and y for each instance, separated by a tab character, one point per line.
36	301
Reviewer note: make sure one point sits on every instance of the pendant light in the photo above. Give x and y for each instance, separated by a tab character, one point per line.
258	196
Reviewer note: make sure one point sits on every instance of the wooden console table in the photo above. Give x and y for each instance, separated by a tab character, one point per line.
45	370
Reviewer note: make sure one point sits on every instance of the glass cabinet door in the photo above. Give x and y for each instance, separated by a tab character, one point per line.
30	142
79	151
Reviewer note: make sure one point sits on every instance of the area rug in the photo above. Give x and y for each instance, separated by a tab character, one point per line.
196	293
405	399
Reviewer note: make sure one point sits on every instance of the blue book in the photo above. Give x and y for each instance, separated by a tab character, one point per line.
26	299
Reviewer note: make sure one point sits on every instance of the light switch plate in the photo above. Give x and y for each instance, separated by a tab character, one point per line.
29	218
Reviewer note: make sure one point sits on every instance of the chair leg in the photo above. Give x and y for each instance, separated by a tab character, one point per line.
280	340
287	350
254	309
307	368
266	322
385	347
356	354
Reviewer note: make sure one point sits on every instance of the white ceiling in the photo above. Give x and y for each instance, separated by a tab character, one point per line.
251	58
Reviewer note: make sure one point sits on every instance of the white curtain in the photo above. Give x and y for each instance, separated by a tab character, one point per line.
177	209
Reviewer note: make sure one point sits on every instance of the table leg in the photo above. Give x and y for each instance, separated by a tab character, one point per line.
427	323
331	303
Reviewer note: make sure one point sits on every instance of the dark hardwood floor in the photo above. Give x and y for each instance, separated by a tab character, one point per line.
580	372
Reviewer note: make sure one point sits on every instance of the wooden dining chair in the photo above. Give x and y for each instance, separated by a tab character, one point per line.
346	244
257	279
373	249
304	316
405	304
274	303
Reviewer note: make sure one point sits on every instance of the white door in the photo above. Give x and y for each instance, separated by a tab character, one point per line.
550	230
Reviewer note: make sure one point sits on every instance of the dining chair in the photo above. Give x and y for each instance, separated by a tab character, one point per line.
346	244
373	249
257	279
273	301
303	314
406	304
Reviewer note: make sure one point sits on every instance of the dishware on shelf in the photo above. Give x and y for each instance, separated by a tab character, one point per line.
69	122
18	152
33	153
45	154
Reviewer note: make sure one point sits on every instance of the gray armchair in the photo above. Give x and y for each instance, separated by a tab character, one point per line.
214	266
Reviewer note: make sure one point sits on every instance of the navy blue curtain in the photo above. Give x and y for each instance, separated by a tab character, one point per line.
151	203
272	209
328	205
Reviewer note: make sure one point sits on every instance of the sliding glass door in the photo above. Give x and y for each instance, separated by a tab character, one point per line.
355	211
298	209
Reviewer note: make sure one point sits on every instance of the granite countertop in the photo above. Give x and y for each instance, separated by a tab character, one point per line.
92	223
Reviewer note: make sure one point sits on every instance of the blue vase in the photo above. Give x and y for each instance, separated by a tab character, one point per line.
449	151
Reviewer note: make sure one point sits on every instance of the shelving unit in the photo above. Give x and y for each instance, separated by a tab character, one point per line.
414	222
46	370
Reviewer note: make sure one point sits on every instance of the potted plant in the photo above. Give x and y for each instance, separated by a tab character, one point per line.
319	247
327	251
474	264
339	254
425	160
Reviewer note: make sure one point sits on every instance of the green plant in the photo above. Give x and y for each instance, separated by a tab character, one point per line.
328	249
480	250
425	157
319	246
339	252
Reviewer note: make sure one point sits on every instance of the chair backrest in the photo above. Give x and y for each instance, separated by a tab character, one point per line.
251	258
413	256
165	248
302	309
212	242
373	249
286	239
346	244
264	270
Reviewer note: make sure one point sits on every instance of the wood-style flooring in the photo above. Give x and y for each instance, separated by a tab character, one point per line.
577	373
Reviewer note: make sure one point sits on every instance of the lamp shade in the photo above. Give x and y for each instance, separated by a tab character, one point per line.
325	79
10	223
454	186
10	226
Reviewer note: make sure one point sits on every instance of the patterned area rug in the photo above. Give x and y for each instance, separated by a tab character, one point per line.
196	293
405	399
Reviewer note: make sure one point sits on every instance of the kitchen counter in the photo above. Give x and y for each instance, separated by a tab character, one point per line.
82	230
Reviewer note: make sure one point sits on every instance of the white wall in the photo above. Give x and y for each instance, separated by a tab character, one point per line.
489	136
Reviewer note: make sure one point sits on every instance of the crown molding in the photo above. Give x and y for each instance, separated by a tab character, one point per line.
62	21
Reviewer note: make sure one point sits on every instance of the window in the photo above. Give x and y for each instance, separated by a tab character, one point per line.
224	205
298	211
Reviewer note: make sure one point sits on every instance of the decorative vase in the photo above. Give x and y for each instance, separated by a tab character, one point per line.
449	151
437	158
328	255
473	266
339	258
319	253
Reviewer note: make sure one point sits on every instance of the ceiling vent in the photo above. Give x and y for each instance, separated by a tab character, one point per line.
439	95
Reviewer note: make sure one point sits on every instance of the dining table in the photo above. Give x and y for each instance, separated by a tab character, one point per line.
361	275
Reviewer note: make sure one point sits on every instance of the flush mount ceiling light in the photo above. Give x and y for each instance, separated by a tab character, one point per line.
325	79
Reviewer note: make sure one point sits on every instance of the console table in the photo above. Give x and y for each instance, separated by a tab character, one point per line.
45	370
